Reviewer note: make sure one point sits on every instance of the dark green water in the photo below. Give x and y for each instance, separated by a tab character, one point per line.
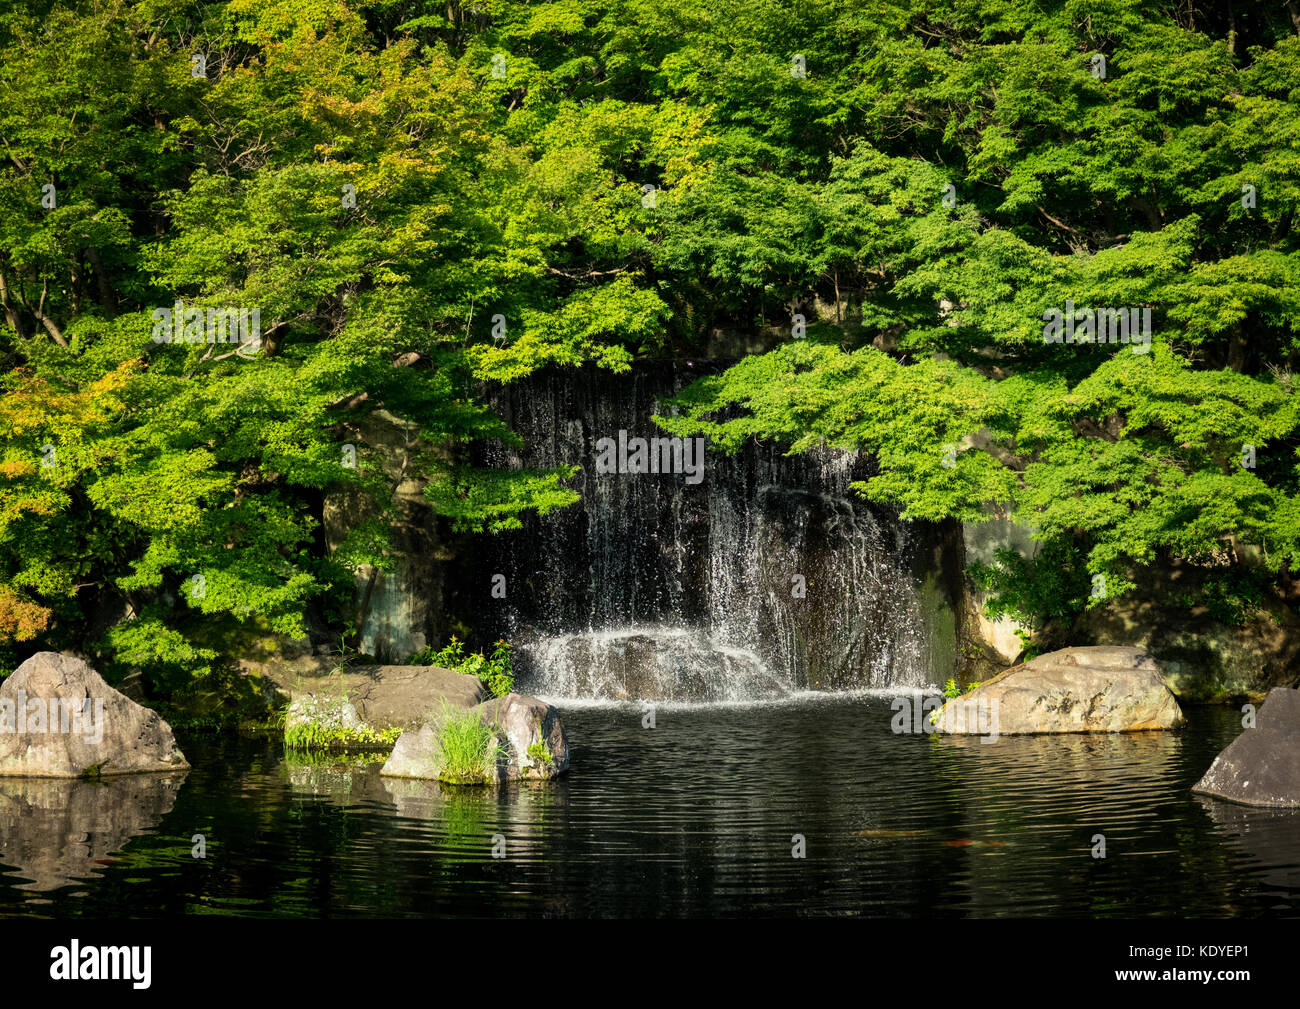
693	817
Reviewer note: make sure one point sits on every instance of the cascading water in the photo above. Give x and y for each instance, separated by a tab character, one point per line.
767	576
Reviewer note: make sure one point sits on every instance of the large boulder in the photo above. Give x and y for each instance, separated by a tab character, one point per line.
383	697
321	722
59	719
1092	689
528	732
327	712
402	696
1261	767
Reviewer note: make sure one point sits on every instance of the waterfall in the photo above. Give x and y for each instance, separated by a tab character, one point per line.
767	576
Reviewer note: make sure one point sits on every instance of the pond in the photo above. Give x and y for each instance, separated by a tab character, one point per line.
696	816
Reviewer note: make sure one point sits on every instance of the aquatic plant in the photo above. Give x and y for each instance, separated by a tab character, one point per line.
322	736
467	748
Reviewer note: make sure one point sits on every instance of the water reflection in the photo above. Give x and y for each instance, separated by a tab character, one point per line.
54	831
1269	838
463	818
694	817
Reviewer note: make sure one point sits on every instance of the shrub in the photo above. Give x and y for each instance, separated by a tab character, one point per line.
496	671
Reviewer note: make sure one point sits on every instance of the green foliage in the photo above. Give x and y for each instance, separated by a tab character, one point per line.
1119	191
178	460
496	671
499	227
221	699
173	662
811	394
9	660
467	748
322	735
1031	648
314	736
539	754
951	692
1051	585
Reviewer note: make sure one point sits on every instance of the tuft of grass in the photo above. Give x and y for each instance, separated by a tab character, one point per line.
468	749
951	691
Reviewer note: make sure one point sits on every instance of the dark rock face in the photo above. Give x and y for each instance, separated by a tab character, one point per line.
1261	767
773	563
402	610
59	719
1204	659
1281	711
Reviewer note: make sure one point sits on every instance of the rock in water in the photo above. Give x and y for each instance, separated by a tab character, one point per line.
532	734
1261	767
529	731
59	719
415	754
1090	689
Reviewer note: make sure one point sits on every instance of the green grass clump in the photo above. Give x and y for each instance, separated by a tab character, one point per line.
468	749
951	691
